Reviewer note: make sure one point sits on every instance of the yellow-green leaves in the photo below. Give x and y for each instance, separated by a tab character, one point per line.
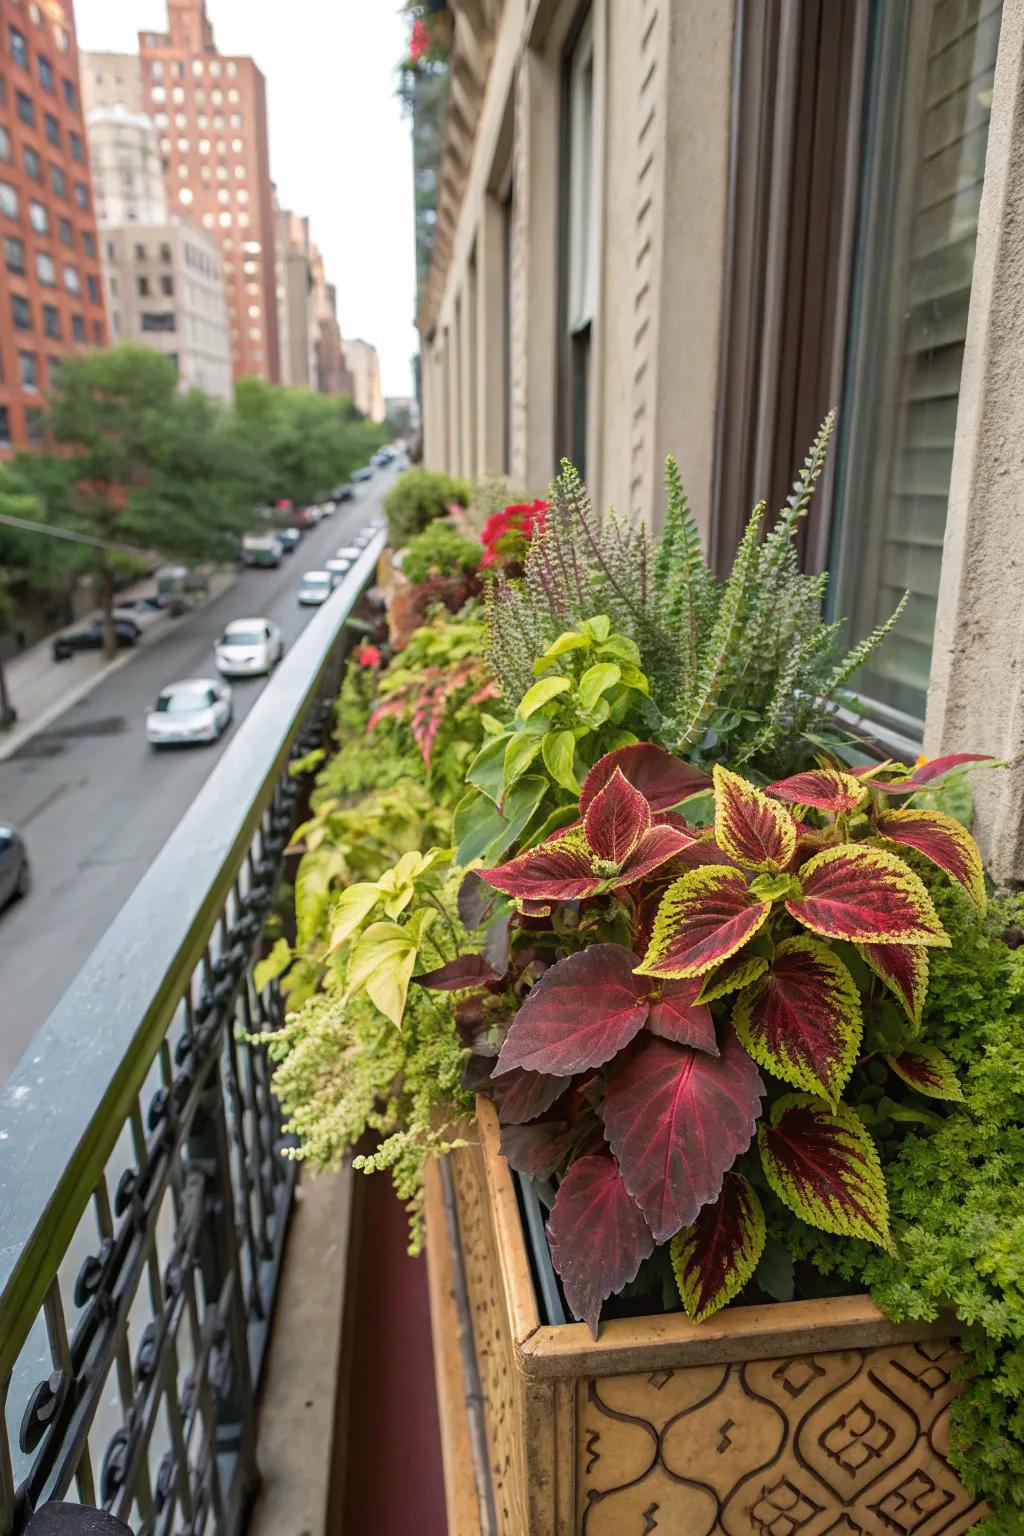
392	892
273	965
558	749
382	963
542	692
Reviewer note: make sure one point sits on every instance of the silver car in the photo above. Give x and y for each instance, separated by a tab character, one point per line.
315	588
196	710
15	876
249	648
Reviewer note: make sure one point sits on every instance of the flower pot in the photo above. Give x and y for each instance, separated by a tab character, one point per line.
817	1418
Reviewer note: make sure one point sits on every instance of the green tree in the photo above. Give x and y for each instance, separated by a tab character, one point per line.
29	561
305	443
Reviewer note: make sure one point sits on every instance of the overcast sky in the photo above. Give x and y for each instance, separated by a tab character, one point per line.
340	148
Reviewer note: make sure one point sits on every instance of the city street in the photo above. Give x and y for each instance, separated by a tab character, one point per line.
95	803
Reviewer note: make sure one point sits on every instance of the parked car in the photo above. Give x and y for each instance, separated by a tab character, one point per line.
328	507
15	875
197	709
139	605
348	552
261	549
337	569
316	588
366	473
289	539
344	492
249	648
383	457
90	637
299	518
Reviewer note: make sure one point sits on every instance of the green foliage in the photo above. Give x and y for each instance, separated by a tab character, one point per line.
417	497
302	443
439	551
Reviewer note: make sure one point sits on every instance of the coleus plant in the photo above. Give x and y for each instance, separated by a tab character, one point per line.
656	967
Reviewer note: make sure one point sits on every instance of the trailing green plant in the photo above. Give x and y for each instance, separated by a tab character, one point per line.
440	551
417	497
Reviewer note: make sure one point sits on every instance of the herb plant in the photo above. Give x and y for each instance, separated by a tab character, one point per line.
440	551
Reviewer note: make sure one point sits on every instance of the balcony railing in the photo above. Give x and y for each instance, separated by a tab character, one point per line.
143	1196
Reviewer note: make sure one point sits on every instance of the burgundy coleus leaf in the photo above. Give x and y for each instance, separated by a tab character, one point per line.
700	850
522	1096
676	1015
823	1164
801	1019
654	849
538	1148
615	820
904	969
753	830
942	839
662	779
558	871
704	917
827	789
929	772
598	1237
715	1257
677	1119
459	974
866	895
928	1070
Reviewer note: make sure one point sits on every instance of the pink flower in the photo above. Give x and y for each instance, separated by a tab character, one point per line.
368	656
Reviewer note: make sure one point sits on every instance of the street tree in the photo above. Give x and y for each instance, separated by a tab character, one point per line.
305	442
30	562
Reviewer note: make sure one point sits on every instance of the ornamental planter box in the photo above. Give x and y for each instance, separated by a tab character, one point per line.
812	1418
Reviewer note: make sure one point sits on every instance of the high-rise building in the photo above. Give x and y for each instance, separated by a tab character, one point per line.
210	112
364	365
111	80
294	300
330	370
51	298
127	180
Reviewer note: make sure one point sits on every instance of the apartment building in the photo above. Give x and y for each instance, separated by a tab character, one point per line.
210	112
330	375
671	226
363	364
51	299
295	300
127	179
111	80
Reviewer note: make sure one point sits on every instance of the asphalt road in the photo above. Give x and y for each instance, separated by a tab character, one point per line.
96	804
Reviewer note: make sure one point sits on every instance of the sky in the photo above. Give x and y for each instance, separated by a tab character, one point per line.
340	149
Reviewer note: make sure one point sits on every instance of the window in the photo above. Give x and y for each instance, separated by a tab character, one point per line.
158	93
579	247
183	146
5	145
177	69
26	109
181	119
224	219
926	132
28	370
57	181
33	164
158	322
140	252
115	288
34	424
167	285
51	128
19	47
77	328
236	120
21	314
81	194
142	287
77	147
197	66
237	146
8	200
93	288
5	428
185	196
72	281
39	218
156	69
51	321
70	93
46	270
204	146
14	254
244	220
88	242
45	68
161	120
178	94
65	234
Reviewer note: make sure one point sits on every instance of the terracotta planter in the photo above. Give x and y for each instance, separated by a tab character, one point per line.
802	1419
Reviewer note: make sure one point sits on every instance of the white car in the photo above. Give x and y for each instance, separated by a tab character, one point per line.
198	709
348	552
316	588
338	569
249	648
328	508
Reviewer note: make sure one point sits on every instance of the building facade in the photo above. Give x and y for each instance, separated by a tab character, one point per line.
295	300
210	112
329	376
111	80
127	179
51	299
755	213
364	365
165	289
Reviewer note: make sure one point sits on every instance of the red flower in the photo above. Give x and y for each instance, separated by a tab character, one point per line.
505	532
419	42
368	656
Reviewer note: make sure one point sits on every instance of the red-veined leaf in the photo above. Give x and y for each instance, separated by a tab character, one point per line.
559	871
700	850
928	1070
704	917
537	1149
824	1166
715	1257
598	1237
662	779
655	848
750	828
522	1096
616	819
929	772
866	895
827	789
677	1119
581	1012
940	838
458	974
675	1015
904	969
801	1020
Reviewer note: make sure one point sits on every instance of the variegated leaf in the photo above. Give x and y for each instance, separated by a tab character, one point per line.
827	789
928	1071
662	779
715	1257
615	820
904	969
749	827
866	895
801	1020
704	917
733	976
557	871
943	840
824	1166
930	770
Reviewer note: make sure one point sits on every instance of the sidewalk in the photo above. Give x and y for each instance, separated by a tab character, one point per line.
41	689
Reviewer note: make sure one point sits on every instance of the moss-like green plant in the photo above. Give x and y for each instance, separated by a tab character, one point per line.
440	551
417	497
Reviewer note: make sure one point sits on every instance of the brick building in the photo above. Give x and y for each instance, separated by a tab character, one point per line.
210	111
51	296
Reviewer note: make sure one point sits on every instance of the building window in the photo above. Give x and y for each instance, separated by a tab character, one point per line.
19	47
158	93
5	428
926	128
224	220
178	94
51	128
39	218
77	147
142	287
45	68
26	109
579	247
5	145
77	328
183	146
140	252
177	69
34	424
156	69
115	288
197	66
158	322
237	146
70	93
20	313
199	96
93	288
28	370
161	120
181	120
232	68
46	270
57	181
33	164
72	281
235	120
14	253
204	146
167	285
65	234
244	221
81	195
51	321
185	195
8	200
88	242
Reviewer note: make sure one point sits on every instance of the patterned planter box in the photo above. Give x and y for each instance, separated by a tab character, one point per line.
801	1419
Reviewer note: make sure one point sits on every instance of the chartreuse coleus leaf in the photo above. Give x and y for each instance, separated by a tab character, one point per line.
273	965
827	789
755	831
866	895
823	1164
940	838
704	917
597	1235
542	692
559	751
925	1068
801	1019
734	975
382	962
904	969
715	1257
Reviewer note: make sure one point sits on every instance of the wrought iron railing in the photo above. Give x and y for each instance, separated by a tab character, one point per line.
143	1195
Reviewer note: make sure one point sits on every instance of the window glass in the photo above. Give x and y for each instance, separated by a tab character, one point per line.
78	327
52	129
20	313
46	271
8	200
19	47
57	181
33	165
26	109
5	144
38	218
14	252
70	93
77	148
45	73
28	370
72	281
81	194
65	234
928	98
51	321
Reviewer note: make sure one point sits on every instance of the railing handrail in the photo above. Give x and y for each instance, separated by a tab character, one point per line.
65	1105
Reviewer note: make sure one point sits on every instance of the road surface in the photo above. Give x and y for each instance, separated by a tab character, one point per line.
96	804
